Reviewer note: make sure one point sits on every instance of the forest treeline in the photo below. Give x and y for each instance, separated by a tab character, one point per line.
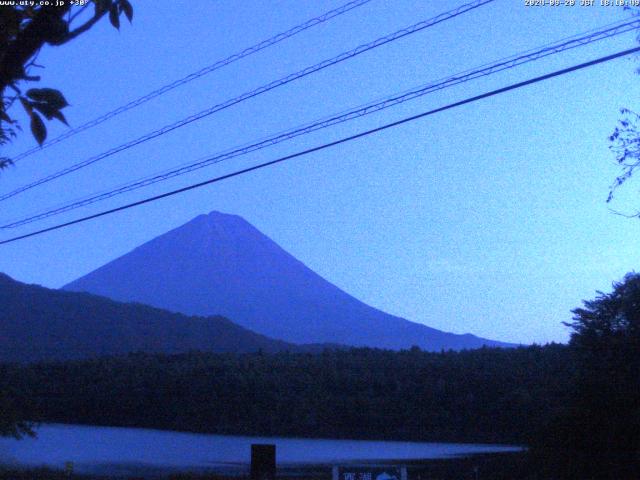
485	395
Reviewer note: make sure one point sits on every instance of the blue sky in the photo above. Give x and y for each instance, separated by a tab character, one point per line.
489	218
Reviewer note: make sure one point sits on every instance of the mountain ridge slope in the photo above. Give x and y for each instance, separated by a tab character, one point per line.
41	324
220	264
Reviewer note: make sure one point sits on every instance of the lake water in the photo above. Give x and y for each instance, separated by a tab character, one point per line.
125	450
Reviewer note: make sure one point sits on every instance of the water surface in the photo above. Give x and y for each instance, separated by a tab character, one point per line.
100	449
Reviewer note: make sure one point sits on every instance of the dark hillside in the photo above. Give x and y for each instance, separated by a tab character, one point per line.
38	324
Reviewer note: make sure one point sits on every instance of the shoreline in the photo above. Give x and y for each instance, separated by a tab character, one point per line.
277	436
498	466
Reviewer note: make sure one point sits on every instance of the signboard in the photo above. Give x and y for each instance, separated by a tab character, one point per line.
370	472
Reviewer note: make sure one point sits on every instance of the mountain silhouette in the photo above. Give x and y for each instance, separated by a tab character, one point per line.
40	324
219	264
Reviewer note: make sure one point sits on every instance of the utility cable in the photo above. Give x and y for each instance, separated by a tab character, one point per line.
487	69
365	133
253	93
195	75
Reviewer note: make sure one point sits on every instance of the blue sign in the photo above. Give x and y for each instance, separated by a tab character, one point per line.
373	472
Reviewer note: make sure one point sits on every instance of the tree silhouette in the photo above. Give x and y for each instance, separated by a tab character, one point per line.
24	31
598	433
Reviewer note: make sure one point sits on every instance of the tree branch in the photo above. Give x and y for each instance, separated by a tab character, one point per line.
83	28
27	43
625	215
82	9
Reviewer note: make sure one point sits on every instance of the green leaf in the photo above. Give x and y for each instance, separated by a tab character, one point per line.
49	112
37	128
101	5
44	108
60	117
113	16
126	7
49	96
26	104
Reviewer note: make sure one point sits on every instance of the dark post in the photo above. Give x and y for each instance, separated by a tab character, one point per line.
263	462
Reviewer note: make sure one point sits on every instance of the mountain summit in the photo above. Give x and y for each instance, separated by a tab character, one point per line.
219	264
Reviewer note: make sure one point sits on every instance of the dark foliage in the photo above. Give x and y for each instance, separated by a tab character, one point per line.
625	144
485	395
15	406
24	31
597	434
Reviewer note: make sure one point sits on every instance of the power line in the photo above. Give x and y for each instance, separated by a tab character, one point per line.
365	133
263	89
472	74
195	75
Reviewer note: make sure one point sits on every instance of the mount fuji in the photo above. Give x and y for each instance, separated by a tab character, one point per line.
219	264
